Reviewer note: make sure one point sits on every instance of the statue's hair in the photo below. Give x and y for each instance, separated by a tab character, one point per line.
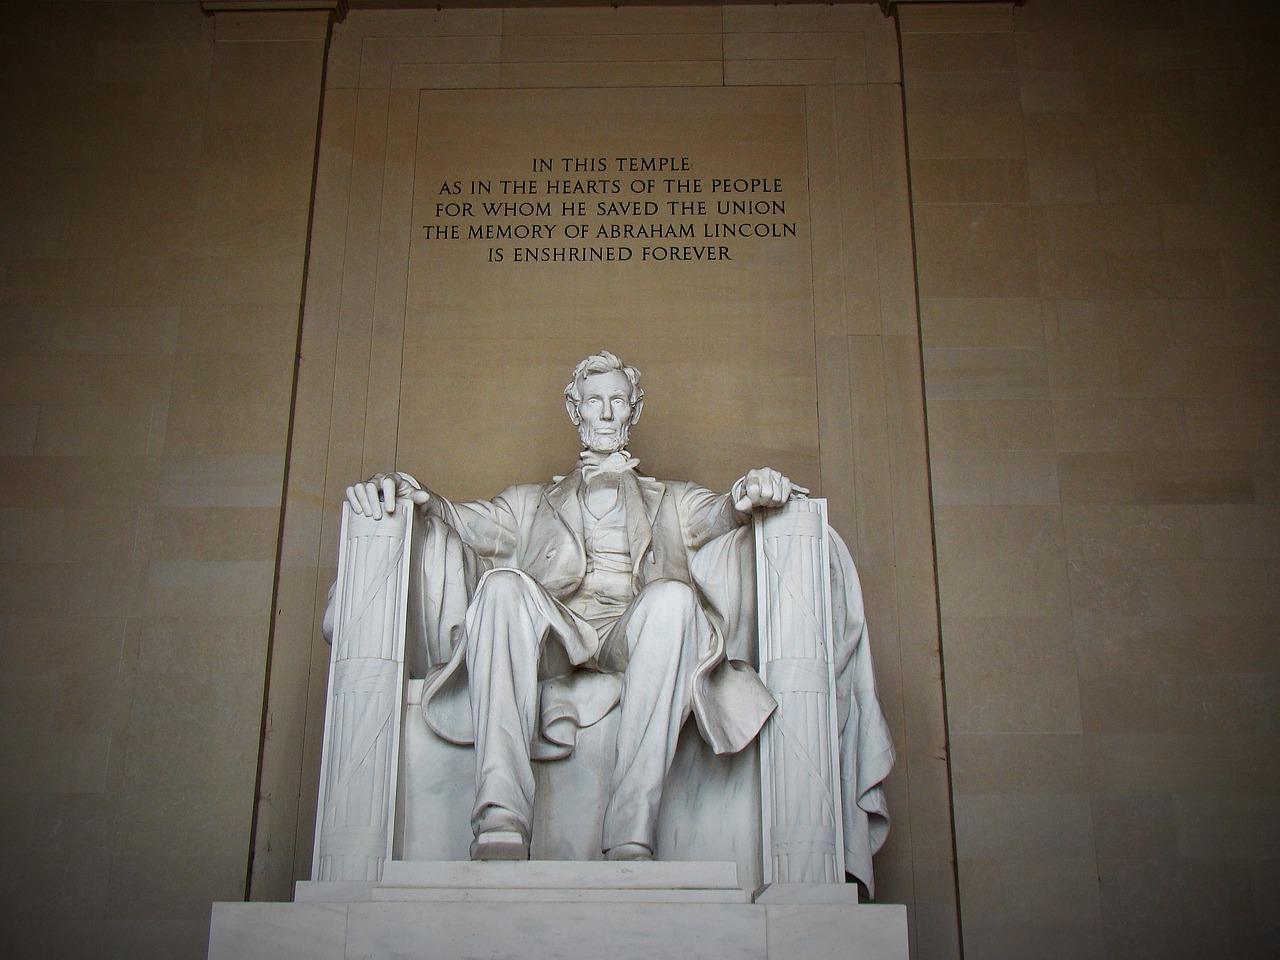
602	362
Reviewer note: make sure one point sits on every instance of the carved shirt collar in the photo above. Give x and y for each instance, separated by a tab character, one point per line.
595	464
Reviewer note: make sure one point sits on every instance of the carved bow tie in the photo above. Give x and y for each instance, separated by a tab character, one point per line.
595	464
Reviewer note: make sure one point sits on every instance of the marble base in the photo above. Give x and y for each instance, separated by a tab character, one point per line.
577	911
551	880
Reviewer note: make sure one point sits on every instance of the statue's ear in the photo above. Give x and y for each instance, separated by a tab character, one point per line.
635	411
572	406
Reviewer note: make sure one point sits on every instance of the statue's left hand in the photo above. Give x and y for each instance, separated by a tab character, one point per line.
764	487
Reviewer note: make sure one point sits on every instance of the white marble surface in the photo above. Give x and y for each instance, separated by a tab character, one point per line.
565	930
832	894
332	891
556	895
548	881
438	784
870	932
710	808
278	931
360	759
554	874
799	752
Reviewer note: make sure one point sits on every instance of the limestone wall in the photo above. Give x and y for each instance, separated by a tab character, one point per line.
1094	198
1080	192
152	243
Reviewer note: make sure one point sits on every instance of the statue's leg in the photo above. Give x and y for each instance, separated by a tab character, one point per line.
664	629
506	625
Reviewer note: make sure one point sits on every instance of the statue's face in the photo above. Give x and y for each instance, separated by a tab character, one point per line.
605	411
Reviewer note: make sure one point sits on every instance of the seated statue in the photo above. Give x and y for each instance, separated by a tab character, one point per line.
552	603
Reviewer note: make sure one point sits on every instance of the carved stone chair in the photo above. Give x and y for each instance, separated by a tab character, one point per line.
391	790
752	848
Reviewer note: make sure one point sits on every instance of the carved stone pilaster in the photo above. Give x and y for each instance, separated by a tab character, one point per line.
355	821
799	757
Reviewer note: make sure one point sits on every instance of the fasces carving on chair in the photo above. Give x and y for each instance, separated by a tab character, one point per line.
606	593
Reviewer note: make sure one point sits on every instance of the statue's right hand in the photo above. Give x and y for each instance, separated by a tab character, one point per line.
378	495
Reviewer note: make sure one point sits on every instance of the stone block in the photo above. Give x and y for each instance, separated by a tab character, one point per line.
982	322
618	20
995	180
1062	181
959	52
1026	764
1000	891
985	372
991	702
1000	561
1151	532
263	931
993	826
944	227
1103	424
1021	424
1206	476
966	135
964	92
1112	226
628	929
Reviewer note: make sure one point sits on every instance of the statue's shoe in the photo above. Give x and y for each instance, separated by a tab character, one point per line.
629	851
500	837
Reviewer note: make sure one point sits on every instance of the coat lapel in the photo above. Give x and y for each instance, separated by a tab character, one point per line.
563	498
642	496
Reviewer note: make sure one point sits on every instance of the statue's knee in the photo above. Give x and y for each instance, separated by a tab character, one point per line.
670	595
501	586
499	614
663	616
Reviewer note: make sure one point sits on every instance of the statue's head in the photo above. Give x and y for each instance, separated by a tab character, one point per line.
604	400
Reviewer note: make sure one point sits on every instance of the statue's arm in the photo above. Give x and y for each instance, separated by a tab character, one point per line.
707	515
704	514
489	527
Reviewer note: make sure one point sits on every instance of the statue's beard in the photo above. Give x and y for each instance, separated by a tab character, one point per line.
603	442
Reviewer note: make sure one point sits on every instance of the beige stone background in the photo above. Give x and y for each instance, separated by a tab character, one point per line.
1095	219
202	322
726	347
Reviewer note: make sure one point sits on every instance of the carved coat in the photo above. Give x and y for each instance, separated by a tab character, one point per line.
538	528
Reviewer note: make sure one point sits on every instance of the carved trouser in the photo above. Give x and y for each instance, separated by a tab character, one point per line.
655	642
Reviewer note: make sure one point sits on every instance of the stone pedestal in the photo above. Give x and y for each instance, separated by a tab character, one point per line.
575	911
392	789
